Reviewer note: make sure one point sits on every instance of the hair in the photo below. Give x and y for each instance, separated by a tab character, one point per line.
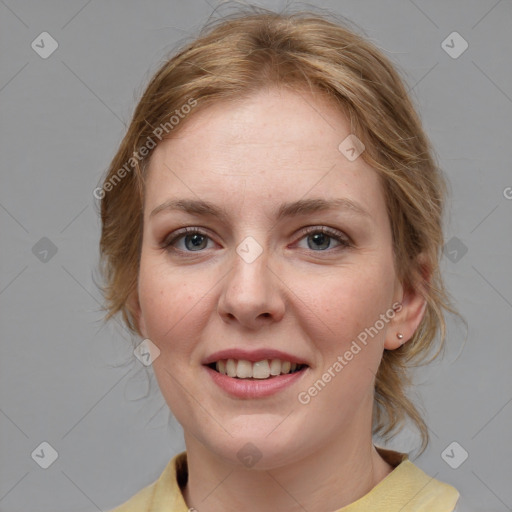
255	49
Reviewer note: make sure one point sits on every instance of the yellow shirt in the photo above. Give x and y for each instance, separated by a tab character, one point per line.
406	489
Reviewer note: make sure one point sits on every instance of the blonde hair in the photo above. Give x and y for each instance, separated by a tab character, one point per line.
254	49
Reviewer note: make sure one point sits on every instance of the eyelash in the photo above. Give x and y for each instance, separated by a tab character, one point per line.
343	240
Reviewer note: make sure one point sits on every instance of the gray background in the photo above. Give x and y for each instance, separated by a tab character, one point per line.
68	380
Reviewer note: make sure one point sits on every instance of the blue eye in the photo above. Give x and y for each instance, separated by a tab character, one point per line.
195	236
319	239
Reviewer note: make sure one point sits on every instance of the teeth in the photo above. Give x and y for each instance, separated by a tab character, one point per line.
243	369
221	366
275	367
260	370
231	368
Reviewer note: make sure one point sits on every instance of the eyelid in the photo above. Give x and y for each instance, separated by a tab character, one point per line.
343	239
338	235
179	233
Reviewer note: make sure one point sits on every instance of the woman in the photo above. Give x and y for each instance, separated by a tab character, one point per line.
272	228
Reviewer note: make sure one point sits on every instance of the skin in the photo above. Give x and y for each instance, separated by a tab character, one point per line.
309	299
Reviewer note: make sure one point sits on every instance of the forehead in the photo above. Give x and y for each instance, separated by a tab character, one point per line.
274	145
271	119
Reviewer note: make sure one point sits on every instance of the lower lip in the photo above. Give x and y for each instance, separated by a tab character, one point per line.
255	388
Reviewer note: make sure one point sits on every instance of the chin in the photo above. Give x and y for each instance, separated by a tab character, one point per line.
260	447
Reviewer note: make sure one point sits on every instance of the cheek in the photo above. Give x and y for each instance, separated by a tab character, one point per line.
170	303
356	296
351	344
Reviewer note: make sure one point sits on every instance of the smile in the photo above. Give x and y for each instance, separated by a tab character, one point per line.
264	369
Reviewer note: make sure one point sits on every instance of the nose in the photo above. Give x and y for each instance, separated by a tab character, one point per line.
252	293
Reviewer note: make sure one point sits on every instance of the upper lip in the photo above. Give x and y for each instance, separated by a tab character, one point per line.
252	355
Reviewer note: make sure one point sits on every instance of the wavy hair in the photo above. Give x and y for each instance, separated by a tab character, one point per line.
254	49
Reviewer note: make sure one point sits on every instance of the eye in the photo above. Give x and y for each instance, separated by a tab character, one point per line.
193	240
320	238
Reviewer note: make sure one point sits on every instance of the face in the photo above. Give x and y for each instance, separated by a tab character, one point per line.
269	274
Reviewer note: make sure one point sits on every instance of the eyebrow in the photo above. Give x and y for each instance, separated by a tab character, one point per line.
286	210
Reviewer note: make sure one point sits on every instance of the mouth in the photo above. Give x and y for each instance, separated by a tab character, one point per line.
266	369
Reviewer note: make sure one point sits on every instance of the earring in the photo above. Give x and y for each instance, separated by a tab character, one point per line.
399	335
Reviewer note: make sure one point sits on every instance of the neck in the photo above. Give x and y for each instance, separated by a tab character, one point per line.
328	479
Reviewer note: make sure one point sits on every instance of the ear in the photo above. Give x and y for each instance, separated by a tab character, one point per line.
133	306
413	304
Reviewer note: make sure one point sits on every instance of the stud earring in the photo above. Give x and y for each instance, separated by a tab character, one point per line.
399	335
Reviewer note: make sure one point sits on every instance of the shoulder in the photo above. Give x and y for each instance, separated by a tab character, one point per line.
163	495
426	493
411	488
